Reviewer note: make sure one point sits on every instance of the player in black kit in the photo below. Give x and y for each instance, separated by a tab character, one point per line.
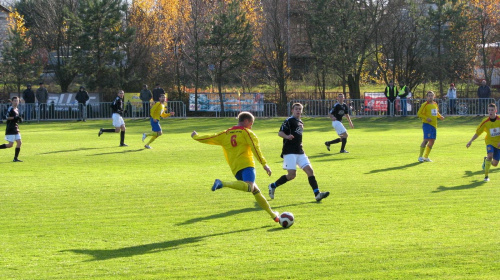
118	121
293	154
338	111
12	131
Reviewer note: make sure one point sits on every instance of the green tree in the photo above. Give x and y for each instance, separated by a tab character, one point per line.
102	39
230	43
19	57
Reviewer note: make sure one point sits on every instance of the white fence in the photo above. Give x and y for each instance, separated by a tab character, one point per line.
361	107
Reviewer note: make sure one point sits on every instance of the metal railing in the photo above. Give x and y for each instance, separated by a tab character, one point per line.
266	110
75	111
370	108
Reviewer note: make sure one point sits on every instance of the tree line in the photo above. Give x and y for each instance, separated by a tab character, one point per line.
195	44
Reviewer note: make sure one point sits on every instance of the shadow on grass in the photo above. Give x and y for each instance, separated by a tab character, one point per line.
235	212
118	152
69	151
101	255
469	173
324	155
460	187
394	168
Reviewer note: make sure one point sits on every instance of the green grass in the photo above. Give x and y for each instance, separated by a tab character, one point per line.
80	207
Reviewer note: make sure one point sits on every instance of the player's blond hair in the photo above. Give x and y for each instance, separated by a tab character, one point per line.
245	116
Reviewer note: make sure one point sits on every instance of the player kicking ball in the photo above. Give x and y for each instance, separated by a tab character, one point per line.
240	146
157	111
429	114
490	125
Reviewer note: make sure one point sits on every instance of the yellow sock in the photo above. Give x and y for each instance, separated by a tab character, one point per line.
152	139
421	151
427	151
487	166
262	201
237	185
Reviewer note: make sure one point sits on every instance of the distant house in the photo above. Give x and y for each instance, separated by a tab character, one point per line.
4	13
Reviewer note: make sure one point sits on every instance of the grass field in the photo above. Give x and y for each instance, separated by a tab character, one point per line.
80	207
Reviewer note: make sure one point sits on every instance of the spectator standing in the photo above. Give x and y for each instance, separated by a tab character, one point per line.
403	93
157	92
483	93
145	96
391	92
42	95
452	96
29	102
82	96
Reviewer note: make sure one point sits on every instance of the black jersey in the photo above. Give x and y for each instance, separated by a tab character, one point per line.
294	127
339	110
117	106
12	126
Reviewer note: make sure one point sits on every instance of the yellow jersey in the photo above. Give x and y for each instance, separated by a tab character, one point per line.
492	129
158	110
239	144
429	110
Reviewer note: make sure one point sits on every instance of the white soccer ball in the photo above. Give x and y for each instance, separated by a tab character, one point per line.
286	219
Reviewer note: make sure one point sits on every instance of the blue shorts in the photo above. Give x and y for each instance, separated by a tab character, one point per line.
246	174
429	131
495	151
155	126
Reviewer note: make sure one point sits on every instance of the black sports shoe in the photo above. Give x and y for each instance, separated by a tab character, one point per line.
100	132
123	145
17	160
327	146
344	152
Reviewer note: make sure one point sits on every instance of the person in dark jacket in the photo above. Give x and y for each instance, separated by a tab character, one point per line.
483	93
42	95
391	92
29	102
82	96
145	97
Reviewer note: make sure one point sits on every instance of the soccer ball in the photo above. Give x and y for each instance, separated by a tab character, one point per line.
286	219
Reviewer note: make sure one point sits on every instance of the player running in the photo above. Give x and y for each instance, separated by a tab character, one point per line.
240	145
293	154
12	130
157	111
490	125
429	114
338	111
118	121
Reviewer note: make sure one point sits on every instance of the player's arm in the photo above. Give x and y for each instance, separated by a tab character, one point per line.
166	115
212	139
472	139
421	114
349	119
283	135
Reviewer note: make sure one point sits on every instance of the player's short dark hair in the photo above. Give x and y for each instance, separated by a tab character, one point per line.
245	116
297	104
493	105
14	97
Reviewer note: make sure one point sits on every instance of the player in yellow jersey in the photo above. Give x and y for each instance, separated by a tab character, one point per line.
490	125
157	111
429	114
240	146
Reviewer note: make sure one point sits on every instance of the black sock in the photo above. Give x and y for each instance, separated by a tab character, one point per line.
334	141
314	184
3	146
122	137
16	154
281	181
108	130
344	141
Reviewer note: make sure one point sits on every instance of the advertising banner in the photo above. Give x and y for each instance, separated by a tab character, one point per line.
375	101
233	102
